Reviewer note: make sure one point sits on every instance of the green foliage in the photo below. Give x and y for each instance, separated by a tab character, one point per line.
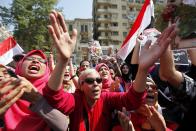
187	23
159	22
30	20
185	16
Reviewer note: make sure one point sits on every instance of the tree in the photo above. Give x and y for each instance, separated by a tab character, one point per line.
30	20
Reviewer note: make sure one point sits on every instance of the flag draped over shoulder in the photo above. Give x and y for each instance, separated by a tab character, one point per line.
142	21
9	48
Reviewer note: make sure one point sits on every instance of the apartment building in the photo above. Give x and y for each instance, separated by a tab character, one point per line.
110	21
85	34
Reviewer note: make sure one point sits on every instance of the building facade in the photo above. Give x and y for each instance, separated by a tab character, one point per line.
84	28
110	21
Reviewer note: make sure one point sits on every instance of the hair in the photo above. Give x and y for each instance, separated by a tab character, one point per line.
83	61
84	74
150	80
126	77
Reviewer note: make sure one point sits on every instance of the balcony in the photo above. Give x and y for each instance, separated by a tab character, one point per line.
104	19
104	29
103	11
104	2
104	38
114	28
115	38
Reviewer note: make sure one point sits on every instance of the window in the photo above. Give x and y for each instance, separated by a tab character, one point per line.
105	16
115	24
114	6
124	34
115	15
106	25
123	7
139	1
70	27
124	24
115	33
82	28
86	28
124	16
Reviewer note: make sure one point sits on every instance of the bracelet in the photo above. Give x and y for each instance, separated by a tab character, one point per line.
73	77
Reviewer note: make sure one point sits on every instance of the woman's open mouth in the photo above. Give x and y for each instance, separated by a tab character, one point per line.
34	68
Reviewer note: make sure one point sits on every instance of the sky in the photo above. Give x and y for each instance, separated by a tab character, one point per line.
71	8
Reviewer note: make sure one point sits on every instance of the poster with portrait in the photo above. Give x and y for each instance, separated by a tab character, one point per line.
95	50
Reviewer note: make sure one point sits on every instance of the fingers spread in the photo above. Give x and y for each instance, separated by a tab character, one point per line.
62	22
55	25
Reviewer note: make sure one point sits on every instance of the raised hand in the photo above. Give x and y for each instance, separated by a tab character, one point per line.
150	53
64	43
125	122
156	120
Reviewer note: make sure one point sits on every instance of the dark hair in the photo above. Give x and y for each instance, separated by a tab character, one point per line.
83	61
126	77
18	57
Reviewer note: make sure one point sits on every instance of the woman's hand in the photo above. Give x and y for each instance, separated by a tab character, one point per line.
10	91
125	122
156	120
31	94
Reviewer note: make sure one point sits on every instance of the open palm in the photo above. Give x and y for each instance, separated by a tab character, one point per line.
64	43
150	53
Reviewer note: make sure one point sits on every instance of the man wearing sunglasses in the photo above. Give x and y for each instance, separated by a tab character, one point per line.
88	107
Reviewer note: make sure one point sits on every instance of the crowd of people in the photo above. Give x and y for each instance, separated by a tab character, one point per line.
135	95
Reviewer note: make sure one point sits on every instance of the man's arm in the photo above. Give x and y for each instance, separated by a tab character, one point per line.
192	55
150	54
64	45
168	71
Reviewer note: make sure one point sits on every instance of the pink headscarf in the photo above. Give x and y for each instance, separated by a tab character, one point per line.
19	117
106	83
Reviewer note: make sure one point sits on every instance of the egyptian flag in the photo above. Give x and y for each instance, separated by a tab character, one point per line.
142	21
9	48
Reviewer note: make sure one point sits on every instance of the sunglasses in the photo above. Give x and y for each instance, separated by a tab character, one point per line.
91	80
34	58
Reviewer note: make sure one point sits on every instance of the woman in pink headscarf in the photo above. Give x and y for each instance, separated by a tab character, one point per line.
34	67
108	84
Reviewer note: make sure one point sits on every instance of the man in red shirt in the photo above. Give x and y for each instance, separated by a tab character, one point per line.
89	109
